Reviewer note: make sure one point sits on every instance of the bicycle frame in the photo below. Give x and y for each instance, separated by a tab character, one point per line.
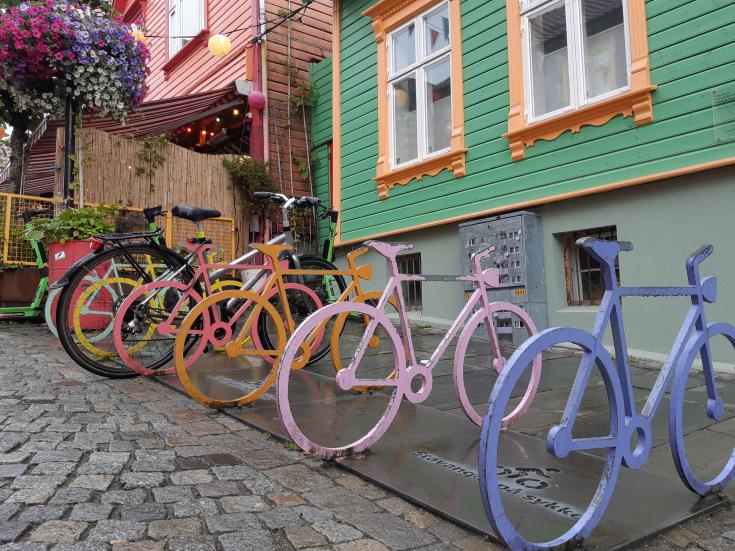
700	290
354	272
240	263
394	288
481	278
33	310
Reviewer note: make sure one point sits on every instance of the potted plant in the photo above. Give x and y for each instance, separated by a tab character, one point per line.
67	236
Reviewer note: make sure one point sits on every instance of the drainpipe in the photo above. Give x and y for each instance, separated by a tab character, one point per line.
258	150
264	82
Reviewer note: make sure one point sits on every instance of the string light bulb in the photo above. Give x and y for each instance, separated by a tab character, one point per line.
236	112
219	45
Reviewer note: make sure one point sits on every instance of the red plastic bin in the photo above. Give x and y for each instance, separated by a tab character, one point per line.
60	259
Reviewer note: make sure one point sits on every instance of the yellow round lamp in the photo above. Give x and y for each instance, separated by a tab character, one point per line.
400	97
219	45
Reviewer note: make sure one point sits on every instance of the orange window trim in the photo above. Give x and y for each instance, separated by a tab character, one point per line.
388	15
637	102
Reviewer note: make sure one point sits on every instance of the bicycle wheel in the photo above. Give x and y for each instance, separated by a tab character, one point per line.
540	497
703	475
302	301
140	263
482	323
323	414
371	298
327	287
147	323
92	319
232	371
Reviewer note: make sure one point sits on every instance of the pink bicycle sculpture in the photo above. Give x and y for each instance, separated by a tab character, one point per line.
403	375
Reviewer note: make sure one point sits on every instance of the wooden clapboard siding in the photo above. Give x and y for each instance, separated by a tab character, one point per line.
691	54
321	133
201	70
310	42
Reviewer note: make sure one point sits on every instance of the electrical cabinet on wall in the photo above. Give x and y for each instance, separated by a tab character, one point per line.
519	256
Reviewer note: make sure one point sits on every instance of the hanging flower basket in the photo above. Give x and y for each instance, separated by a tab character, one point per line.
52	49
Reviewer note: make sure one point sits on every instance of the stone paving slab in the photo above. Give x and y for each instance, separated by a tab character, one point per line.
67	423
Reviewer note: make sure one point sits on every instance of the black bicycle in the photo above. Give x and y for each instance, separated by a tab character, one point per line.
95	287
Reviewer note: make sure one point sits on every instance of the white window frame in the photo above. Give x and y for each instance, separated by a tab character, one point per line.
176	24
419	67
575	53
577	272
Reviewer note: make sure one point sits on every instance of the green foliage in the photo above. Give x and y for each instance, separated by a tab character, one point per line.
8	267
303	167
73	224
150	157
305	95
250	176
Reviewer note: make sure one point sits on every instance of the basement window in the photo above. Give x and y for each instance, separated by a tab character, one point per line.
584	284
410	264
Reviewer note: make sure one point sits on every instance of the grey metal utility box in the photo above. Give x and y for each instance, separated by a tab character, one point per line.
519	255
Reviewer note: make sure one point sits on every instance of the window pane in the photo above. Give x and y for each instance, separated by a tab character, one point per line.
175	31
438	105
404	47
604	46
549	59
190	21
437	30
404	120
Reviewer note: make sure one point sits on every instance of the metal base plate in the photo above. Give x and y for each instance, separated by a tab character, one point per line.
430	457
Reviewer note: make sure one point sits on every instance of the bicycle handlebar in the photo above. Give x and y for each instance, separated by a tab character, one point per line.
279	198
308	201
28	215
480	256
151	212
699	256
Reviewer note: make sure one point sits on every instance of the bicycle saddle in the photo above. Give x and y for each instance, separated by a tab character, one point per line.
194	214
388	250
604	249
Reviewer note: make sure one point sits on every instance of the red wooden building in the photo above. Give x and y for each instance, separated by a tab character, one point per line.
248	101
273	42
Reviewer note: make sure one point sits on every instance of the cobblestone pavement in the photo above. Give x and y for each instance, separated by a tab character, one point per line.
88	463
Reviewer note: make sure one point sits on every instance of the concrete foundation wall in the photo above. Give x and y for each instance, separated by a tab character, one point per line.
666	221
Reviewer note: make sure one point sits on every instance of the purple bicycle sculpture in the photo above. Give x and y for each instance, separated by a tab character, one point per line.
404	375
629	441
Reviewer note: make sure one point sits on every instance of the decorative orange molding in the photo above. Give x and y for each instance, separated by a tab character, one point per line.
637	101
451	160
666	175
388	15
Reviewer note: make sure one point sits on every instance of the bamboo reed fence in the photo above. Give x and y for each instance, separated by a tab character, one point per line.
111	167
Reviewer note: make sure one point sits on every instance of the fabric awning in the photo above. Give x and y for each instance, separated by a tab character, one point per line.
151	118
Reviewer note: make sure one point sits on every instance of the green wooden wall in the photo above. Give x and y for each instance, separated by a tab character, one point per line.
691	54
321	133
